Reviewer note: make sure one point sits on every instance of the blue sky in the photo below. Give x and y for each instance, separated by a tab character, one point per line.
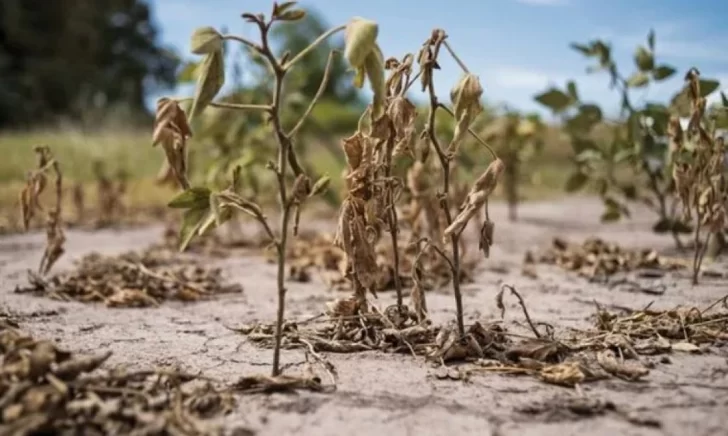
517	47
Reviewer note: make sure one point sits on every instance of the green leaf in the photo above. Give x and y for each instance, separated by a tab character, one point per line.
629	191
320	186
644	59
206	40
663	72
571	88
193	198
651	40
554	99
192	220
638	80
611	215
583	49
723	99
708	86
576	181
283	7
294	15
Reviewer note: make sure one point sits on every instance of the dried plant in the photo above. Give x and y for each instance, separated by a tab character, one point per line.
110	194
207	208
698	170
30	205
465	97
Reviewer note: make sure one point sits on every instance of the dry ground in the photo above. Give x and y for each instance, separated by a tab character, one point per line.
396	394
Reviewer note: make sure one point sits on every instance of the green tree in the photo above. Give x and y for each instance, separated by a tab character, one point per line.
67	57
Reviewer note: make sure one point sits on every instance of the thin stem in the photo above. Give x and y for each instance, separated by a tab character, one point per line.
242	40
454	56
392	215
284	146
234	106
312	46
317	97
472	133
444	203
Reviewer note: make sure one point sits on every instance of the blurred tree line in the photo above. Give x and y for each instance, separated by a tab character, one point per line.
68	58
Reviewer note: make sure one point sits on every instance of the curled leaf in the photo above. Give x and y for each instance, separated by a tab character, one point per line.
360	37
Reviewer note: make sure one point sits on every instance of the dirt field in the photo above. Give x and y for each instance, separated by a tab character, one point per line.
396	394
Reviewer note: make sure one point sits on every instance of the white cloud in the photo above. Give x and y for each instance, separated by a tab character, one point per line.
543	2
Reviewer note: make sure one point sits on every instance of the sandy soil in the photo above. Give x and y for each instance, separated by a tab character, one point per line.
397	394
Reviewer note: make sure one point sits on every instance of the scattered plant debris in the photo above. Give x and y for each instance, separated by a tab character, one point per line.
596	258
47	390
133	279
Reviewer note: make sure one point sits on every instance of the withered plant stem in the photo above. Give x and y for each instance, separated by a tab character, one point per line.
454	56
392	214
444	201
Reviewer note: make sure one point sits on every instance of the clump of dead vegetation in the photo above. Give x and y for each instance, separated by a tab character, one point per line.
30	205
596	258
617	345
133	279
698	171
45	389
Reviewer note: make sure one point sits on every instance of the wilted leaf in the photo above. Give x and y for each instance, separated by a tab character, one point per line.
206	40
192	221
210	80
663	72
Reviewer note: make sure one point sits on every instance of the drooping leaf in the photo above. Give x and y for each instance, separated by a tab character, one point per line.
193	198
554	99
723	99
210	80
188	73
663	72
192	220
206	40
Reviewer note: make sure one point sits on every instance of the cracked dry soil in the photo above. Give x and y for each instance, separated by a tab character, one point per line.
397	394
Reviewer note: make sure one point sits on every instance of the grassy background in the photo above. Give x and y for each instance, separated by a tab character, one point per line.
130	150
